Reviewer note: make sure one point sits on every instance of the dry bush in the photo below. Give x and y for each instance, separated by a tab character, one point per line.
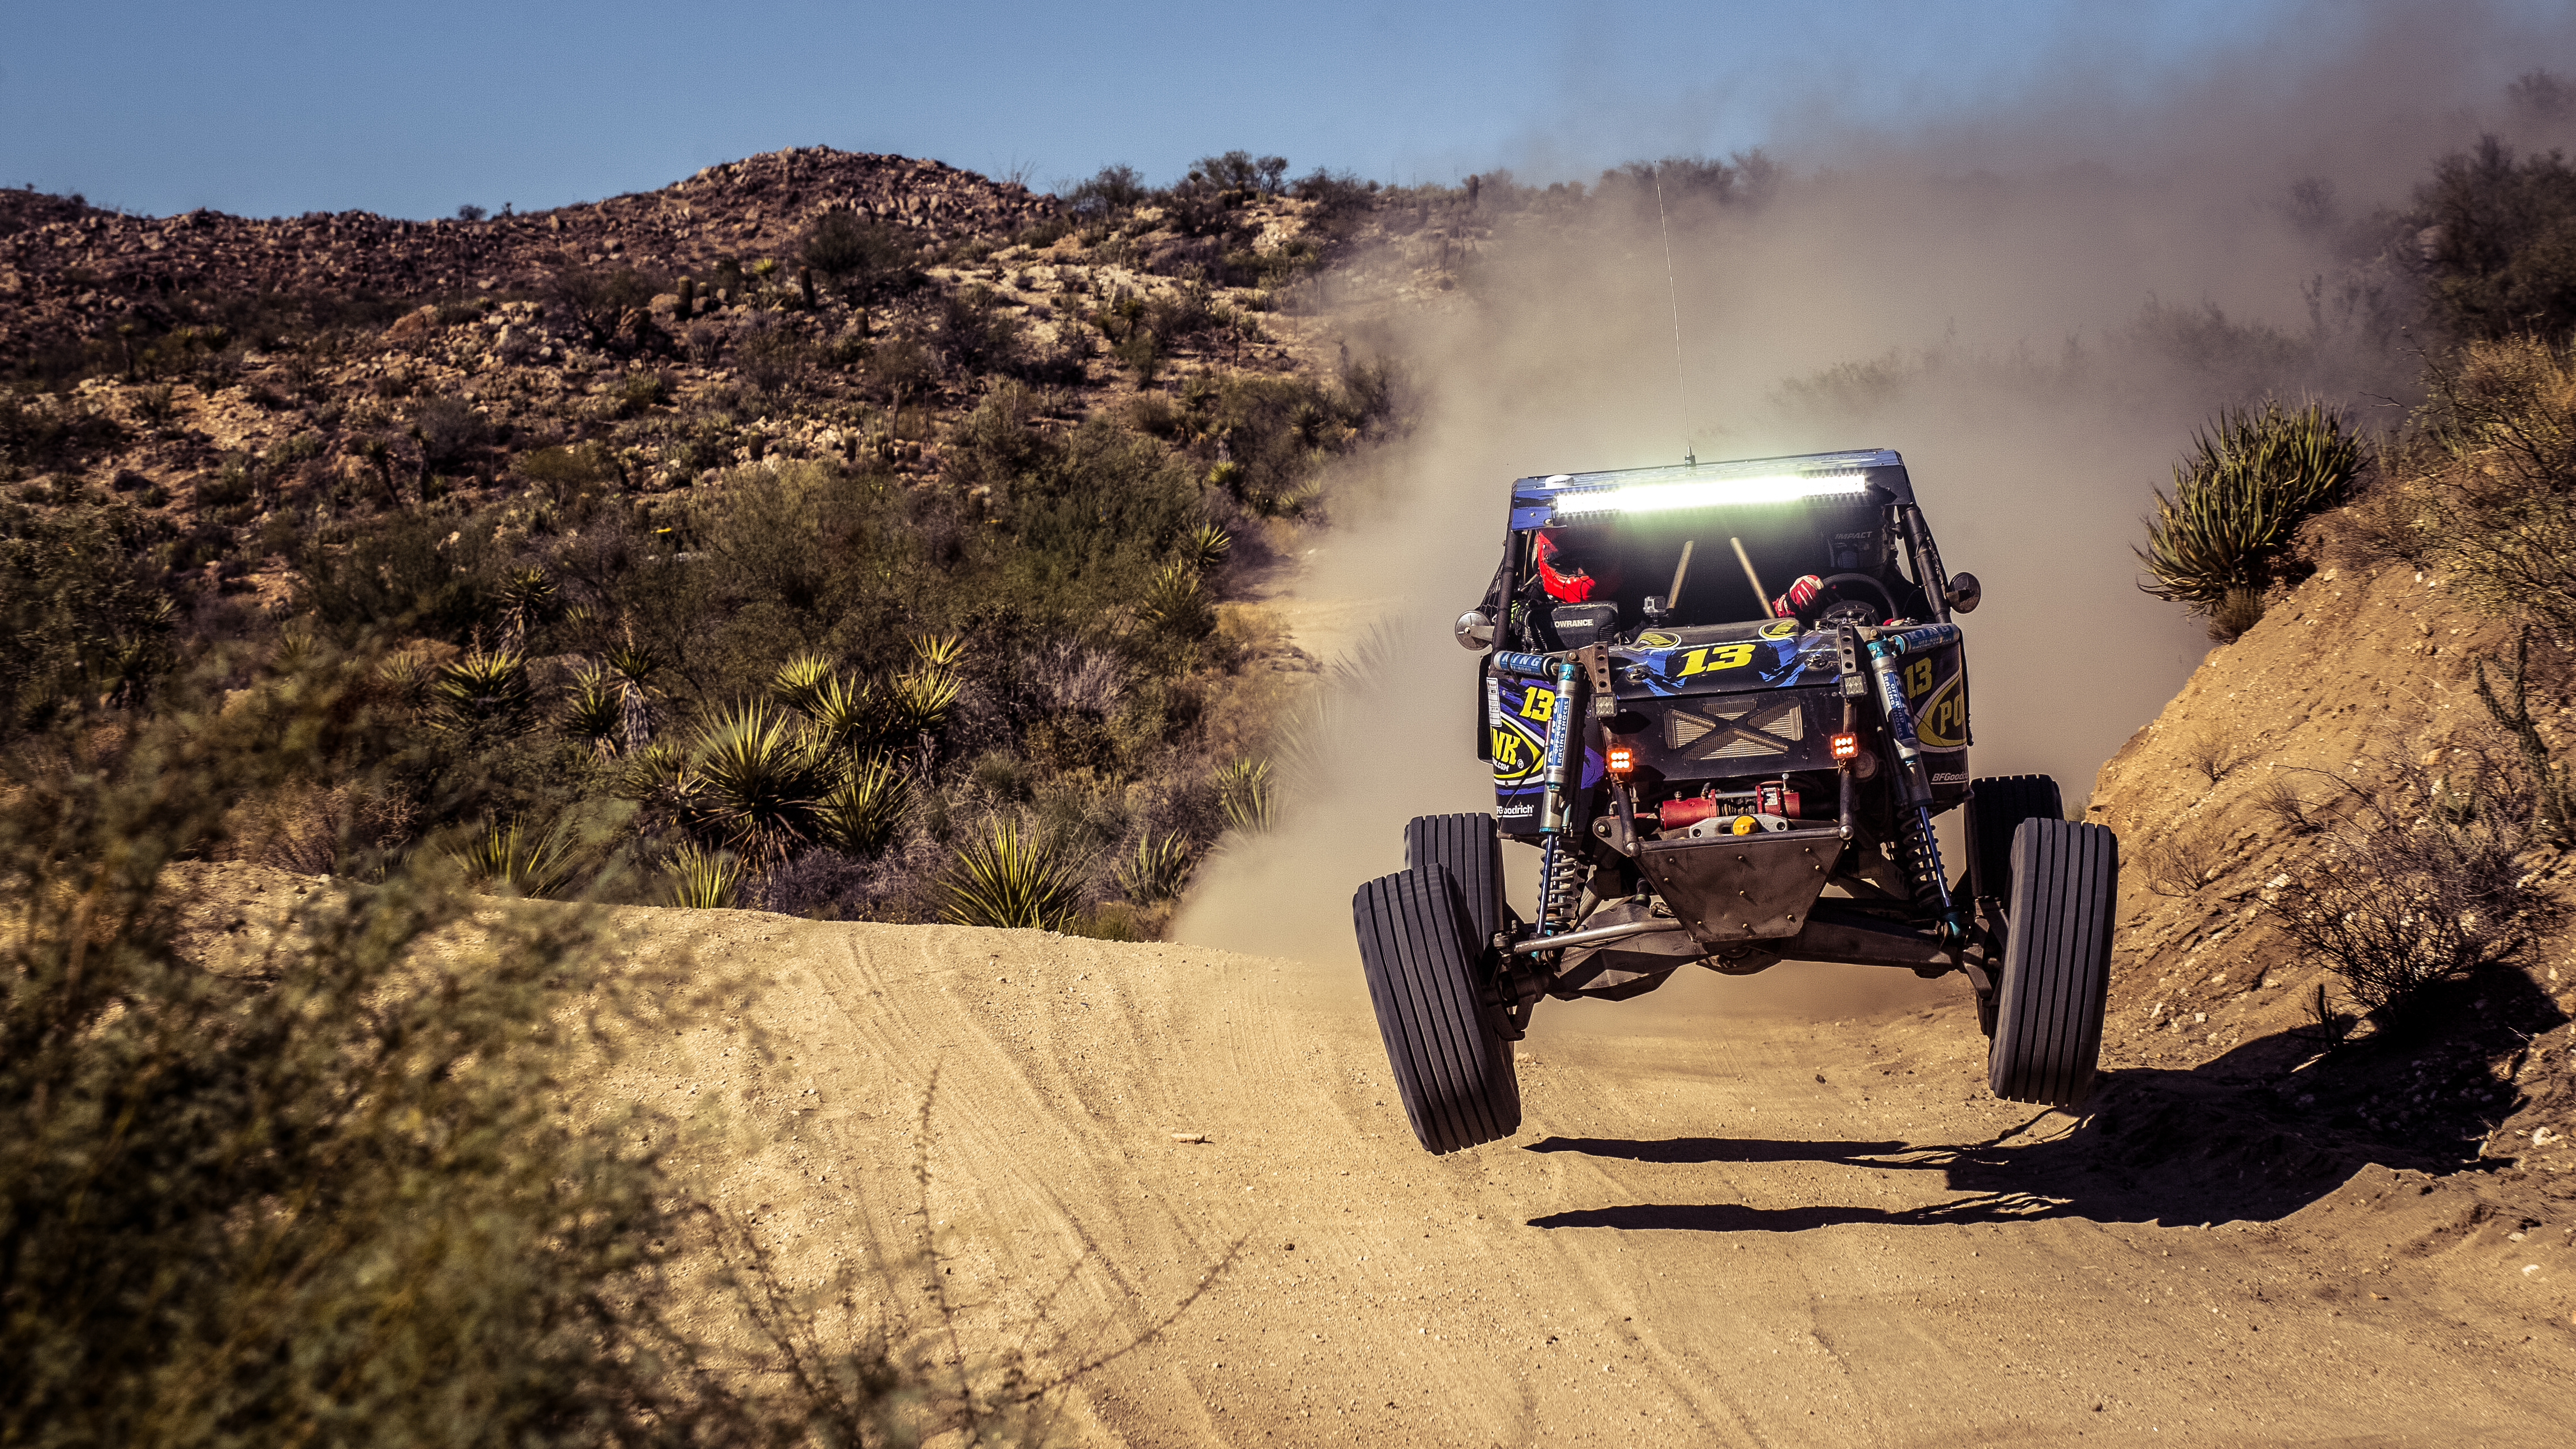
2424	882
2286	804
2181	863
2216	750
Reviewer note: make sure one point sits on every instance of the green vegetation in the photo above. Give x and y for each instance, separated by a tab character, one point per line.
331	1188
2251	479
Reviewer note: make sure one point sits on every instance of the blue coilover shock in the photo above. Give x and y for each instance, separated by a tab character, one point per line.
1919	848
1560	865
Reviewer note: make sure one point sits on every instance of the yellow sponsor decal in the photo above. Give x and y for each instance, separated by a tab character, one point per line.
1658	639
1780	629
1941	722
1538	704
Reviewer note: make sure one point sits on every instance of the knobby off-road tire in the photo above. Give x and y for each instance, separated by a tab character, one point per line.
2057	962
1473	854
1453	1071
1996	808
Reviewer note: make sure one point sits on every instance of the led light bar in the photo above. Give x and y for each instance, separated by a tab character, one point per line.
1709	493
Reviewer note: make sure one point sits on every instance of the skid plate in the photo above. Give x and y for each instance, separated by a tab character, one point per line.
1738	888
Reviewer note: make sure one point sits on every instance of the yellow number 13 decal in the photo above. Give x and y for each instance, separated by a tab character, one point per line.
1709	661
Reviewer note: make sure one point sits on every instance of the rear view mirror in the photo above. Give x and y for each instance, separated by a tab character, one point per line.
1964	593
1474	630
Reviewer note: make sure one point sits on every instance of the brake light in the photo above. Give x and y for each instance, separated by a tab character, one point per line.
1620	759
1847	747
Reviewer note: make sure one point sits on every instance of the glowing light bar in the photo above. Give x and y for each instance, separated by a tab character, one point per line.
1710	493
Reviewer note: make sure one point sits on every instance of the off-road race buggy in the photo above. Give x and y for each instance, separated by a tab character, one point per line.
1719	776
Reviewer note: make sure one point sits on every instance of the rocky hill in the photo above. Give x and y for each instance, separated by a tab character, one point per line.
67	268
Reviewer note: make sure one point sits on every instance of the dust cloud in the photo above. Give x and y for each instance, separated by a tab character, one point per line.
2036	307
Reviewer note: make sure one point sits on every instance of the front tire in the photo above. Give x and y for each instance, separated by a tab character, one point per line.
2057	962
1453	1071
1996	808
1467	846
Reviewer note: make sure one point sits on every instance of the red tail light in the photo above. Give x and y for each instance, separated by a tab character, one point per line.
1846	747
1620	759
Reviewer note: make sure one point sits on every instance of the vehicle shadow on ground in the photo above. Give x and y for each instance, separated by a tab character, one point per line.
2234	1138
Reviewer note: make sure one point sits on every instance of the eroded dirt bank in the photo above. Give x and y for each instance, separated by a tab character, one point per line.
1715	1227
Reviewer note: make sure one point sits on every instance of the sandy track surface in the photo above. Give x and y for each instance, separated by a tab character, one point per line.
1720	1224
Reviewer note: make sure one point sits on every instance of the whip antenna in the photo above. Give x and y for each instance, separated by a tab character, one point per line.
1681	387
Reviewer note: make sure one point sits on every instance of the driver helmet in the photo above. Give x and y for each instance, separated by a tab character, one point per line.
1564	579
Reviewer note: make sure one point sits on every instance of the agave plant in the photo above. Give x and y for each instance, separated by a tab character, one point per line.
2251	479
596	711
1008	876
756	782
863	811
1157	869
1243	789
504	856
484	695
1174	599
798	679
705	880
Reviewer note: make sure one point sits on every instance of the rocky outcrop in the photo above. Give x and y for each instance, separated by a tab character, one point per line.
68	269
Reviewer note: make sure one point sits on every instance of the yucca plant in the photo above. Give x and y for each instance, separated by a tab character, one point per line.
1206	547
656	773
921	697
1243	789
843	716
863	811
635	669
797	680
484	695
1156	870
407	676
756	782
1173	599
596	710
938	651
2251	479
505	856
527	597
705	880
1009	876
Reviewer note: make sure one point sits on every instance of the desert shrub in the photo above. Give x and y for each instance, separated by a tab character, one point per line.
2423	883
1156	870
563	469
2502	241
1110	192
975	330
88	621
861	259
1244	792
603	303
36	436
418	573
325	1192
2498	438
705	880
1008	875
2250	480
1173	599
1241	171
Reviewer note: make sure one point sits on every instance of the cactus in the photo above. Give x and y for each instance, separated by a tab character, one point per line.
688	307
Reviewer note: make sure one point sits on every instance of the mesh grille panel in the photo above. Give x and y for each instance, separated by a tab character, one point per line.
1730	730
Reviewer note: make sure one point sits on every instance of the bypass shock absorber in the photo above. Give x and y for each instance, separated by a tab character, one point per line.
1919	848
1560	773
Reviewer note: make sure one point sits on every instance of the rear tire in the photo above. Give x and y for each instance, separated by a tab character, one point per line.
1996	808
1473	855
2057	962
1453	1071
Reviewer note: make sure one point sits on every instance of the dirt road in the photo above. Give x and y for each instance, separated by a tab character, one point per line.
1722	1227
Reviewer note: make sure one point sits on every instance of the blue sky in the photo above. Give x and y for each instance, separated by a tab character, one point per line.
279	107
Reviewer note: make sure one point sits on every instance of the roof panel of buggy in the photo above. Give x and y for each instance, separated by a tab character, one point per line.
1566	497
